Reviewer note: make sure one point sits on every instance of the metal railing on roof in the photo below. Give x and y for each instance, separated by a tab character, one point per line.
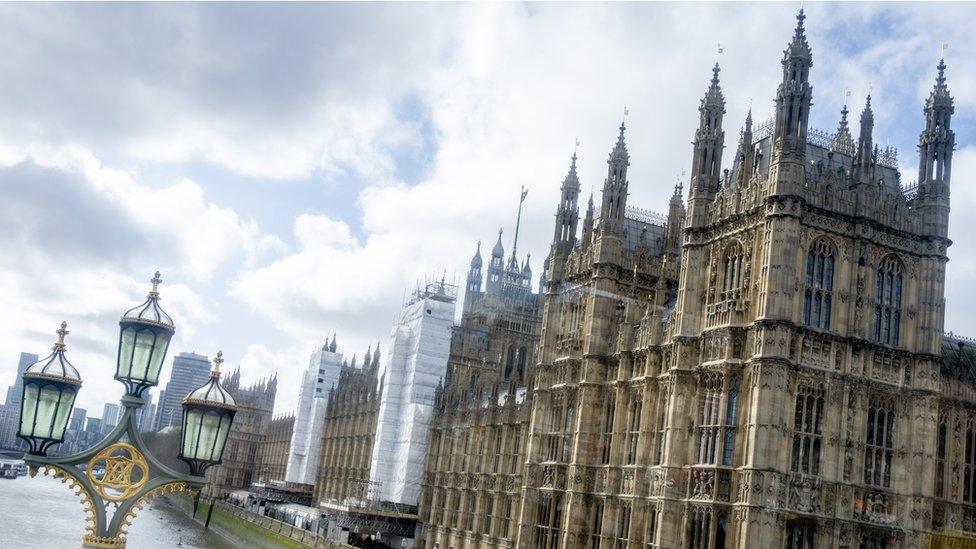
827	140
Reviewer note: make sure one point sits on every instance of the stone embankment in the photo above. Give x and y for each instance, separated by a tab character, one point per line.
246	529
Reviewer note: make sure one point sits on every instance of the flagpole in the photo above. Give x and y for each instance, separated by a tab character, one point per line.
518	219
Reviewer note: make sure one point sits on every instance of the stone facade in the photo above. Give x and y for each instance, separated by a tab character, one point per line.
766	368
255	406
348	433
273	450
474	459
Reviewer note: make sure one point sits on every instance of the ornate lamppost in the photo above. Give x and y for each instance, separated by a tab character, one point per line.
118	475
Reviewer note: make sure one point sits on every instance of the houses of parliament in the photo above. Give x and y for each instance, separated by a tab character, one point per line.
763	366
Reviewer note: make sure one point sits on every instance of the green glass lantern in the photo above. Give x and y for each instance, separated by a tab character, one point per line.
207	416
144	335
50	387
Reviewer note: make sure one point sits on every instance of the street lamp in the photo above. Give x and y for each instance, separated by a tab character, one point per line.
119	474
208	412
50	387
144	335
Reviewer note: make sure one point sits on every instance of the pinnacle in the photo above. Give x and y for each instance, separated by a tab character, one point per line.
798	46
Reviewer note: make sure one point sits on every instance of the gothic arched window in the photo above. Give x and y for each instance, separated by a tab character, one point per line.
633	433
731	409
733	267
819	285
568	433
887	301
969	469
701	527
879	443
940	458
807	430
709	423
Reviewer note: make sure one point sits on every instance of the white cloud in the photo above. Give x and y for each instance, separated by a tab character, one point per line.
173	228
318	92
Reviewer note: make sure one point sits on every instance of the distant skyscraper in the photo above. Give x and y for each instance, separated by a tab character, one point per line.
146	416
419	349
9	416
77	422
111	415
190	371
16	391
93	425
306	442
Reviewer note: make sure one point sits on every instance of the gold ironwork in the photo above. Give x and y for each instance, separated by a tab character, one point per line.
126	471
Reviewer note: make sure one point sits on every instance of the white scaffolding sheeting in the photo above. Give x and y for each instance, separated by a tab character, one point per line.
306	440
421	343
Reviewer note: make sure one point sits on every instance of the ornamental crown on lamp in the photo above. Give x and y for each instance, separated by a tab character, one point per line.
56	365
212	392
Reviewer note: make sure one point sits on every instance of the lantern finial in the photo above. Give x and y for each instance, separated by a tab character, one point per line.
62	331
217	361
156	281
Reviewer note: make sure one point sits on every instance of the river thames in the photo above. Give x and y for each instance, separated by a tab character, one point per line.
42	513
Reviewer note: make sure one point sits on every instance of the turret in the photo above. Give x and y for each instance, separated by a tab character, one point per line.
567	213
496	267
615	188
567	217
935	146
706	161
793	100
473	286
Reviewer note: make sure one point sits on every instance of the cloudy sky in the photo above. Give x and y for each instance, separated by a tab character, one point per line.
292	169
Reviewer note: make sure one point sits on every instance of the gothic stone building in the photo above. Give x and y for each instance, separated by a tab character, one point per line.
255	406
470	494
348	432
273	450
773	375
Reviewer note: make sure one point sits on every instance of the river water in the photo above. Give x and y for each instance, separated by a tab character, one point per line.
42	513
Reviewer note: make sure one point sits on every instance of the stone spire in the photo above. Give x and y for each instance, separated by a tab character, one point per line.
745	156
864	156
706	161
675	227
615	187
332	345
376	355
587	232
799	48
499	250
843	142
